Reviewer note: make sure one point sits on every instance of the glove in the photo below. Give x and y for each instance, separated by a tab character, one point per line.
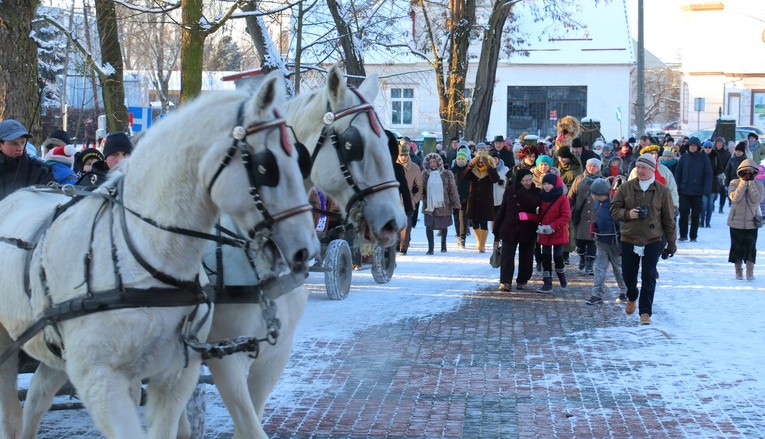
544	229
669	251
415	189
523	216
549	230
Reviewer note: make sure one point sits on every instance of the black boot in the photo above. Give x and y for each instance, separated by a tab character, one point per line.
561	272
565	258
547	285
588	266
582	262
429	235
443	241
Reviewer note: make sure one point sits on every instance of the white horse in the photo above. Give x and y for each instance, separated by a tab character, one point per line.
340	130
139	239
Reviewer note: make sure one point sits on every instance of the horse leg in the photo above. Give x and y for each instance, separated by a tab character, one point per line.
109	397
265	372
45	382
10	408
166	399
229	375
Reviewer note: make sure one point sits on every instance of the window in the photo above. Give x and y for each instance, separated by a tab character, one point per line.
537	109
402	102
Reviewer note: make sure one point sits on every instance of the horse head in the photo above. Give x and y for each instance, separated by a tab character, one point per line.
350	154
259	184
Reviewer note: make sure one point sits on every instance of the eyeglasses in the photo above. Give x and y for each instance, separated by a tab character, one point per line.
707	147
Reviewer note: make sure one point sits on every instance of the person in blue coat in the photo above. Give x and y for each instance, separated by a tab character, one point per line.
693	175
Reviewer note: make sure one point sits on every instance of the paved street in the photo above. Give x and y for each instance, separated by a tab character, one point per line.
439	353
516	364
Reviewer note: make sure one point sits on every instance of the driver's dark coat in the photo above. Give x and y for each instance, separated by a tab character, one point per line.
22	171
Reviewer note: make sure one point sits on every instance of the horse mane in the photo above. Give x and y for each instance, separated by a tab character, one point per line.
161	158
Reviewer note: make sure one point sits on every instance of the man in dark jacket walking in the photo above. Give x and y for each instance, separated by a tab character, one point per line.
724	155
694	179
17	168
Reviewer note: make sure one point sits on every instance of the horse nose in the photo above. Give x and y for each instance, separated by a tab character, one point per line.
299	260
392	226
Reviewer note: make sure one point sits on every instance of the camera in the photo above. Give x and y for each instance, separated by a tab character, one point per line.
642	212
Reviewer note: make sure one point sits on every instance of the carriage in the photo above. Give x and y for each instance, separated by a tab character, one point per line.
343	250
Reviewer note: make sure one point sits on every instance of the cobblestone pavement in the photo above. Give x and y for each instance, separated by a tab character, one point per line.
515	364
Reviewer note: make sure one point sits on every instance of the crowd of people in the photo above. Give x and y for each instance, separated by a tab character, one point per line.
620	206
58	162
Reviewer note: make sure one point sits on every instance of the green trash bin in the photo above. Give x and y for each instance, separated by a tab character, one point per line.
428	144
725	128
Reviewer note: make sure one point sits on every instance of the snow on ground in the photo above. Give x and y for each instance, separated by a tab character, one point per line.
707	325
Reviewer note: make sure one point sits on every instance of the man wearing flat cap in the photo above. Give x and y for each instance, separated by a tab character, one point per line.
17	168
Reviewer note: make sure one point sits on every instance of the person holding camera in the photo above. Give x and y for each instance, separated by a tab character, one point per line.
647	218
482	175
744	218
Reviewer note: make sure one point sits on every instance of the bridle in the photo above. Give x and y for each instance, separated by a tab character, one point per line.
257	171
343	144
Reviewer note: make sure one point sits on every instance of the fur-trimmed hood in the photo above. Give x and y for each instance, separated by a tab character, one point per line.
433	155
747	165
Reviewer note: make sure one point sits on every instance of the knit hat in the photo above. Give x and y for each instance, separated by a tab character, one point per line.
565	152
577	143
756	137
646	160
462	153
550	178
667	153
481	145
600	187
544	159
498	139
741	146
649	148
62	154
89	153
594	161
608	146
707	144
403	148
117	142
61	135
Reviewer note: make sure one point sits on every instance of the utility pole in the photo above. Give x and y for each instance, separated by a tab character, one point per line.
640	98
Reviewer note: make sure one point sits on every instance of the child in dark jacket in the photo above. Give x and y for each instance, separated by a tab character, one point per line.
606	233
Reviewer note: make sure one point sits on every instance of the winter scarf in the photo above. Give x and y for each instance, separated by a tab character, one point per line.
435	191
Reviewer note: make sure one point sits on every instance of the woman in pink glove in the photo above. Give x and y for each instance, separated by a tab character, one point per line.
554	215
515	226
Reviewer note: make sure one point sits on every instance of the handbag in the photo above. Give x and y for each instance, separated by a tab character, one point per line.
757	216
496	254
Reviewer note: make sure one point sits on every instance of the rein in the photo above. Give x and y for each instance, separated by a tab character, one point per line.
329	131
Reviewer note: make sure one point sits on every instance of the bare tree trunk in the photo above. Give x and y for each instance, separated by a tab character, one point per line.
112	86
89	43
192	50
478	115
19	92
354	63
460	23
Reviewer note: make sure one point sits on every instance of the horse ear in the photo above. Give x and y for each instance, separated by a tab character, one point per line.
336	84
370	87
271	93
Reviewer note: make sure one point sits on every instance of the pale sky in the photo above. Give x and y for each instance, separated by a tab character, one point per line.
663	25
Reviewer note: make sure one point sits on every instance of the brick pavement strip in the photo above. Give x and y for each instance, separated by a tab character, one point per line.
517	364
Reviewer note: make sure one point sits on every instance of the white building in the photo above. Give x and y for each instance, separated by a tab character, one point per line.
583	73
723	61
